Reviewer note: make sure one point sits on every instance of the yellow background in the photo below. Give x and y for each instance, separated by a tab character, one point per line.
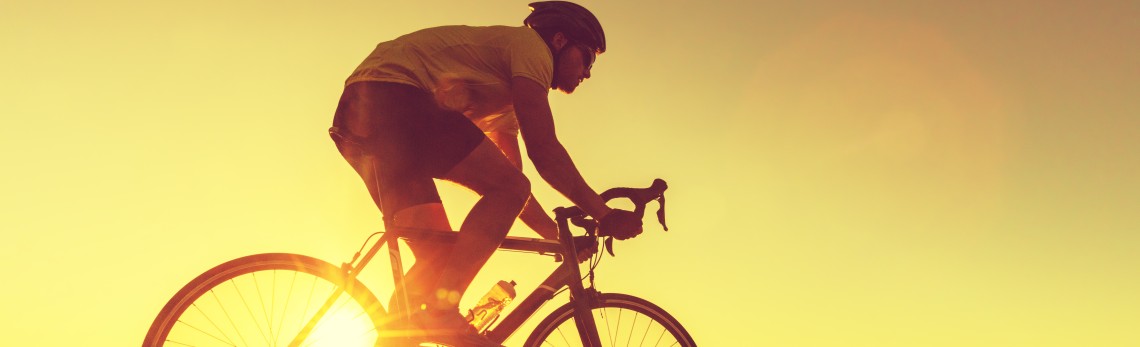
843	173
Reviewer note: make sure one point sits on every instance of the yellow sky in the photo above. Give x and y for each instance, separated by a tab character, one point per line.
843	173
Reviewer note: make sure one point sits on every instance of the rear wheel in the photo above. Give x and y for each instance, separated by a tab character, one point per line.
622	320
266	300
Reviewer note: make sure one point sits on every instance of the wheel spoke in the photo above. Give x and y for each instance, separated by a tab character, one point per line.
631	326
272	306
253	318
191	326
216	327
609	334
228	317
563	336
647	326
178	343
308	301
285	310
265	314
322	312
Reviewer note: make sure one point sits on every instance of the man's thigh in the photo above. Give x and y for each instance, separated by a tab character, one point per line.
408	141
487	169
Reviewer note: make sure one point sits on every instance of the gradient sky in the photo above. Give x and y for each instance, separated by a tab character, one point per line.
843	173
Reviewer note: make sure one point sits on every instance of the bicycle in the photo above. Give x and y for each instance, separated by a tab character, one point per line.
219	306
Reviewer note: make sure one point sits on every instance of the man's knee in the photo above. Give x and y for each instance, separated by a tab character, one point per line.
516	189
426	216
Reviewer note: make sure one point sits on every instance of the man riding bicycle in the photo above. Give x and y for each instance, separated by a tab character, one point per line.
449	103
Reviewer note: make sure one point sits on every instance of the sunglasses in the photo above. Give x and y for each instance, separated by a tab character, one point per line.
588	55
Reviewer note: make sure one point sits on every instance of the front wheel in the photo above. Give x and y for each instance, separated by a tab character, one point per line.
268	300
622	320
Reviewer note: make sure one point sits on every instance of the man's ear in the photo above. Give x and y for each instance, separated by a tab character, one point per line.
558	41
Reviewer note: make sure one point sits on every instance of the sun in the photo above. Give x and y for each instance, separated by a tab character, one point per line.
343	327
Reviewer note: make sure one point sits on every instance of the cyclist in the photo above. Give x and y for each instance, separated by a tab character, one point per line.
449	103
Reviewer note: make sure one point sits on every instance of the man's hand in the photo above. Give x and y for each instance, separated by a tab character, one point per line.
620	224
587	246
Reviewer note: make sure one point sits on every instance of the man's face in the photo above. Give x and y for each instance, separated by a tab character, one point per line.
574	64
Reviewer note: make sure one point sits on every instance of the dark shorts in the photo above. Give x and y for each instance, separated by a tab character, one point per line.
398	139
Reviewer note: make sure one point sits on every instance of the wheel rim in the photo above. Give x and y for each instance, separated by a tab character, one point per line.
619	323
267	303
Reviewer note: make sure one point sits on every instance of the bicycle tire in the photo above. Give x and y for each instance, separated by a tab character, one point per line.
558	328
192	316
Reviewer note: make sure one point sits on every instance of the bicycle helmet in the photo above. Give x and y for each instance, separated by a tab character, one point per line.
573	20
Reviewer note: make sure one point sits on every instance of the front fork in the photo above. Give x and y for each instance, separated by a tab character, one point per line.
584	299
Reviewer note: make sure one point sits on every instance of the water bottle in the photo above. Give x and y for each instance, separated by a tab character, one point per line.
487	310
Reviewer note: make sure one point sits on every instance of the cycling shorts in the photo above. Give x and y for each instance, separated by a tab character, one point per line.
398	139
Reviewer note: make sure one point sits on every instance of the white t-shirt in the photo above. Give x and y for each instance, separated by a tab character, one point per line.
467	69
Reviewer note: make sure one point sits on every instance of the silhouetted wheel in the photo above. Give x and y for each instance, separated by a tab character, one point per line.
265	300
622	320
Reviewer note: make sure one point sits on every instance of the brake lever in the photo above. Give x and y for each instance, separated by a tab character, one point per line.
591	227
609	242
585	223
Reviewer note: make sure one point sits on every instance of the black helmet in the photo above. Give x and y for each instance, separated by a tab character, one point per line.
573	20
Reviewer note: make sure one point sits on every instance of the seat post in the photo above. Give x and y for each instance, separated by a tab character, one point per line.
398	277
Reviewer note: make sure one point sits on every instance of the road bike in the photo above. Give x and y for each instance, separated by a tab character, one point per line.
281	299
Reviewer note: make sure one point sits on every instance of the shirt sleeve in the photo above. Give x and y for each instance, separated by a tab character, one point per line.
506	122
530	58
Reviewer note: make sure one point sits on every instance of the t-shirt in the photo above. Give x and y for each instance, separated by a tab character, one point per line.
467	69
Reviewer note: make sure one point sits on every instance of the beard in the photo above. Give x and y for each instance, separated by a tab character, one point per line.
560	82
564	86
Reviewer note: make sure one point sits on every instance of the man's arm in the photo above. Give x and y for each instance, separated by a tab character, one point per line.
532	214
550	158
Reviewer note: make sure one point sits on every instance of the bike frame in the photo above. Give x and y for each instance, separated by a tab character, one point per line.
567	274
